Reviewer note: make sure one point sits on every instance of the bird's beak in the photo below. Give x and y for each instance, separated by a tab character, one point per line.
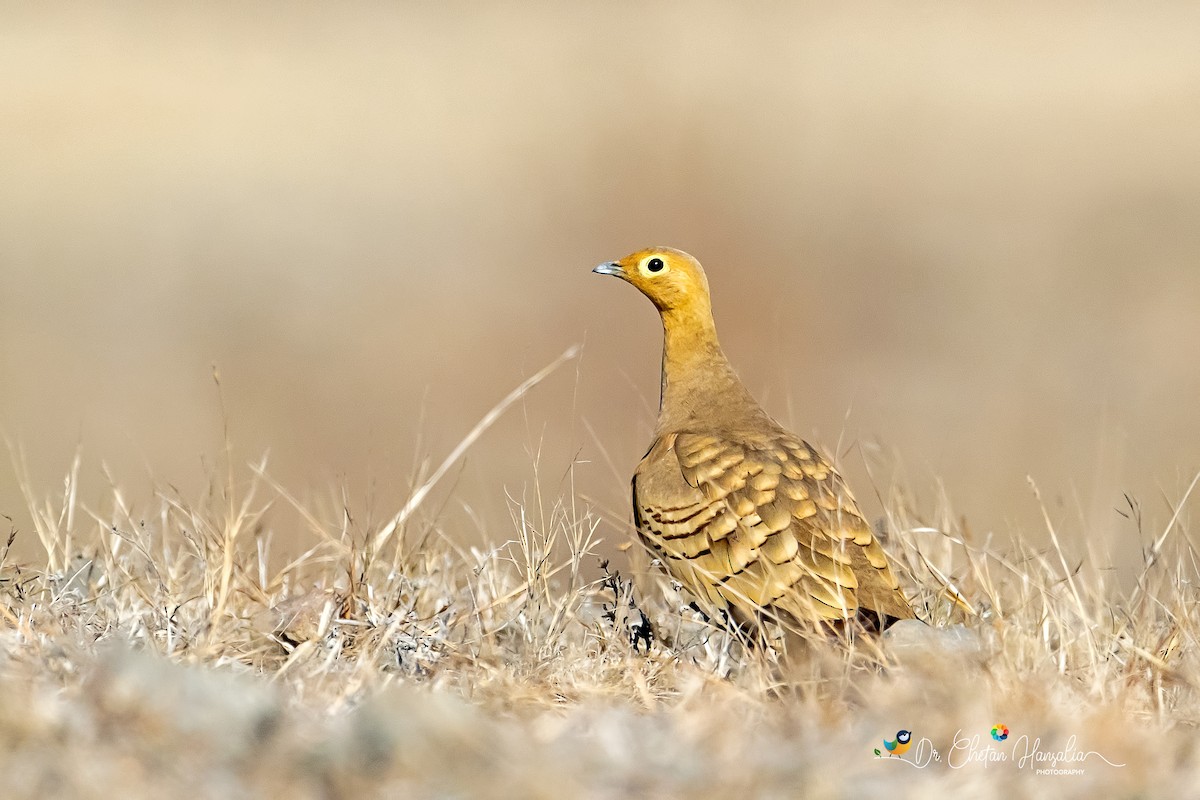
609	268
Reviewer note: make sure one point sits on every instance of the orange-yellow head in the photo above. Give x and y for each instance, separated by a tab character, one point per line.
672	279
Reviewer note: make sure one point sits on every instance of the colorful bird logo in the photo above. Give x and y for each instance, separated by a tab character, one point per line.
999	732
901	745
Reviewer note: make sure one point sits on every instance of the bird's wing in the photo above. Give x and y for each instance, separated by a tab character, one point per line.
761	520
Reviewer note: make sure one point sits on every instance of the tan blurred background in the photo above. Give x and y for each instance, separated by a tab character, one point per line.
964	235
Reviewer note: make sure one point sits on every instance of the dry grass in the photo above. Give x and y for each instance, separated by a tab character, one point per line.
167	651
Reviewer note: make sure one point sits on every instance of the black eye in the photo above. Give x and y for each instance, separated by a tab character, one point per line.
655	265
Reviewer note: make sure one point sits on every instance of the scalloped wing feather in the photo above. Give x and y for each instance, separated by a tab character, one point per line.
761	520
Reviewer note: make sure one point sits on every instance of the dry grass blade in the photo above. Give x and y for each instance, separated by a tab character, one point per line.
488	419
1156	548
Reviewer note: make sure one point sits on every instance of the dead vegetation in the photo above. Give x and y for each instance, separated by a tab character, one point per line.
170	651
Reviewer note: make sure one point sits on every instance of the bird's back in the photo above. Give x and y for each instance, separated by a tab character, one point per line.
754	520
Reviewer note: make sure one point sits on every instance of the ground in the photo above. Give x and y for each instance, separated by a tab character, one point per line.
164	655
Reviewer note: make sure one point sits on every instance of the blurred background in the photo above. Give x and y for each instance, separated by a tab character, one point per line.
956	243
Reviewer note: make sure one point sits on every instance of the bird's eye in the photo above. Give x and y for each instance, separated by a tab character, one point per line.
653	266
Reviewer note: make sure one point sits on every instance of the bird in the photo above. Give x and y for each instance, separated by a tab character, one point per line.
901	745
752	520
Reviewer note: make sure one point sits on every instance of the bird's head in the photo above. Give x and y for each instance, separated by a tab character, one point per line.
903	737
672	279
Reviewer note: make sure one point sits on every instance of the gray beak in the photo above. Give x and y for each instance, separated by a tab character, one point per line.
608	268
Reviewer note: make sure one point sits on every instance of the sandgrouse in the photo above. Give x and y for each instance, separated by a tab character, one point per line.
752	520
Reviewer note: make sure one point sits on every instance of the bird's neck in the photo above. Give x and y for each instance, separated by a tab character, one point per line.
698	384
